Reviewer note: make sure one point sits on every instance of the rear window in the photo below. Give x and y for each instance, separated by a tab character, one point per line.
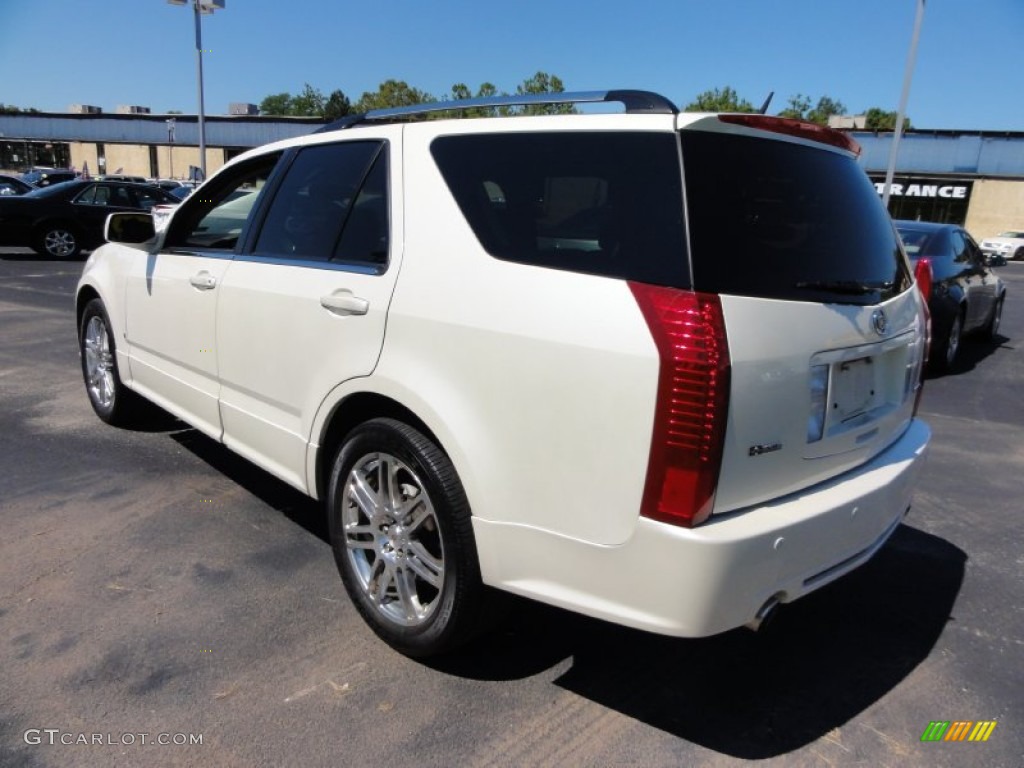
602	203
779	220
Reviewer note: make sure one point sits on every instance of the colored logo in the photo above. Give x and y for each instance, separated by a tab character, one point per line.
958	730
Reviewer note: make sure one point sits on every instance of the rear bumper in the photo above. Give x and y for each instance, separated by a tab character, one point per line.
701	581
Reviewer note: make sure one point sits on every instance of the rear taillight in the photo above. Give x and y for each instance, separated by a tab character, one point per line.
688	329
797	128
926	344
923	275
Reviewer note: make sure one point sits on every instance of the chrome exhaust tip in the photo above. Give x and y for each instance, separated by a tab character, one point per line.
765	615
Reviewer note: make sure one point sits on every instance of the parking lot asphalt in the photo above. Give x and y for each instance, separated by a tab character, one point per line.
155	587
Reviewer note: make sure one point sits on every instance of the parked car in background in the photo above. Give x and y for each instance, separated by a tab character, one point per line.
44	177
61	220
1009	245
12	185
963	294
123	177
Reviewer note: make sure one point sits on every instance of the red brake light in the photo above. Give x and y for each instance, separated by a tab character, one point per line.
923	275
693	402
798	128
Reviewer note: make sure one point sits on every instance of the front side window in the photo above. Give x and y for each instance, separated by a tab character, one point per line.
216	216
314	201
602	203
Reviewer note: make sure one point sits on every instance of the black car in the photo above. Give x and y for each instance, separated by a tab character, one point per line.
44	177
12	185
963	294
62	219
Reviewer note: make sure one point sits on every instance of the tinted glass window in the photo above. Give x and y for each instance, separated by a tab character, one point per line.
216	217
146	197
603	203
316	195
781	220
88	196
365	237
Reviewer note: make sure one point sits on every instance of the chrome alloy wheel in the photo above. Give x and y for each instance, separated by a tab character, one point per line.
99	362
60	242
392	539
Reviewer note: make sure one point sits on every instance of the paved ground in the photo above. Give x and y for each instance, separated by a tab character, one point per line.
151	583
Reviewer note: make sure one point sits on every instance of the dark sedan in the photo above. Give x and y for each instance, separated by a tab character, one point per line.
963	294
63	219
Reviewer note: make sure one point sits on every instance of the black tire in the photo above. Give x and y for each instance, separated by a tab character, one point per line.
1018	255
946	354
58	240
112	401
992	328
406	553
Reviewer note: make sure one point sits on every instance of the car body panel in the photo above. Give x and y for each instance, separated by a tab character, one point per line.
170	305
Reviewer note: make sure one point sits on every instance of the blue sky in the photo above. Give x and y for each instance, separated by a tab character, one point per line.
969	73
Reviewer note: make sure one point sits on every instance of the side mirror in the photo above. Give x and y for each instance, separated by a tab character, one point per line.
132	229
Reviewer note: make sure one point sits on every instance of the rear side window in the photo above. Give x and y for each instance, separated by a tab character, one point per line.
779	220
602	203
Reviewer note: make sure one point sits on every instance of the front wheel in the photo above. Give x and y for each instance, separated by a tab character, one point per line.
402	539
111	400
992	329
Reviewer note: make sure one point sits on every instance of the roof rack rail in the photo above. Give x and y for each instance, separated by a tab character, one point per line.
635	102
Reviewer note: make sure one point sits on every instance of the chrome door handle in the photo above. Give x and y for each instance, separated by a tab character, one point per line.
344	303
204	281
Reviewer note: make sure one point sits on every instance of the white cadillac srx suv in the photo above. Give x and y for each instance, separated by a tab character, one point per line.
655	367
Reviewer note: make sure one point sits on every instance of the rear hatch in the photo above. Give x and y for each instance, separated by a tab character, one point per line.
826	334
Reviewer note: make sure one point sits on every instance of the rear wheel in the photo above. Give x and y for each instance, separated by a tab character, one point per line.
1018	255
58	240
402	539
949	349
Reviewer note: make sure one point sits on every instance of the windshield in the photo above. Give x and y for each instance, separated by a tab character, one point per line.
1013	235
780	220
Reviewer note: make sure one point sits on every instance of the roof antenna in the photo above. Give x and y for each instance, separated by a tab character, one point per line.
764	107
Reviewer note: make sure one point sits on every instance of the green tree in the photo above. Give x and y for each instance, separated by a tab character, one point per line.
461	91
724	100
880	120
824	109
309	103
337	106
797	107
542	82
277	104
392	93
10	109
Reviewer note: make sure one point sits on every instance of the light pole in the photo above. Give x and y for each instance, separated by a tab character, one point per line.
201	7
170	147
901	112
